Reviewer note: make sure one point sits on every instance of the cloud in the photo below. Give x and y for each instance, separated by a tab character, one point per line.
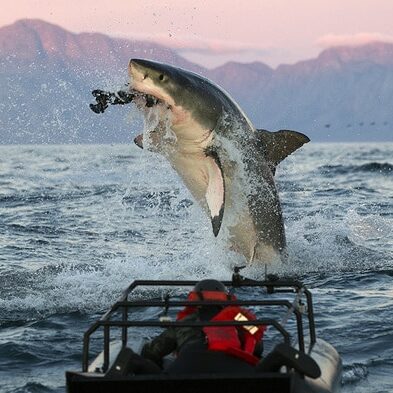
201	45
212	53
358	39
218	47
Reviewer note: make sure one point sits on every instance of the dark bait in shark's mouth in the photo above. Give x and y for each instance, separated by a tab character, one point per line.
106	98
226	163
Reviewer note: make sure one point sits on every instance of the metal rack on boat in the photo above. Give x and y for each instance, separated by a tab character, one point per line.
270	285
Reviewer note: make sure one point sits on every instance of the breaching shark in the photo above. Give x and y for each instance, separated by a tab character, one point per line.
226	163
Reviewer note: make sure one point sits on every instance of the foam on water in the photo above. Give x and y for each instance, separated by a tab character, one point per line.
315	244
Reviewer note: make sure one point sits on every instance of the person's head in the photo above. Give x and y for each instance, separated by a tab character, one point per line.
210	285
210	290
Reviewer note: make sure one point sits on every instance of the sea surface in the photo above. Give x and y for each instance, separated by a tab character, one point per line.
79	223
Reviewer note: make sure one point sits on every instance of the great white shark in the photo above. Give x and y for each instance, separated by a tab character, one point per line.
226	163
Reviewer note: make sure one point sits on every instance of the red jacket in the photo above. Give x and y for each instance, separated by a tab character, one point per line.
239	341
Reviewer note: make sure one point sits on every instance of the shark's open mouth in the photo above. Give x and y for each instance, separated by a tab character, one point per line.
154	110
145	100
157	118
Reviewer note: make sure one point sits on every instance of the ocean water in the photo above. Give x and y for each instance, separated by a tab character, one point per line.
79	223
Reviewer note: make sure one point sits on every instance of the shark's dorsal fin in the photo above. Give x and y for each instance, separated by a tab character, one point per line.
215	191
280	144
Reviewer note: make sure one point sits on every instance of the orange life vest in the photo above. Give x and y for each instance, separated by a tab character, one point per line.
239	341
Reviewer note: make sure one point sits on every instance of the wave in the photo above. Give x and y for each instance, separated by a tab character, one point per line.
14	355
54	194
354	373
34	387
384	168
316	244
157	201
372	375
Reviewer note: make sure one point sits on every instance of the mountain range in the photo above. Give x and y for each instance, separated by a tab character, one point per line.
47	74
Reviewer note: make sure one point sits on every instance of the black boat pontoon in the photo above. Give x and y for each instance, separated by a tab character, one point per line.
303	364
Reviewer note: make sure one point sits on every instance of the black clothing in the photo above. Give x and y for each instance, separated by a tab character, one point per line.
172	339
196	358
130	363
191	347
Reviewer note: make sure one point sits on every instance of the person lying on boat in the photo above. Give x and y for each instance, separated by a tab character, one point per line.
211	348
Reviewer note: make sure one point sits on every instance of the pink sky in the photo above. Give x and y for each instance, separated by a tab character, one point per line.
212	32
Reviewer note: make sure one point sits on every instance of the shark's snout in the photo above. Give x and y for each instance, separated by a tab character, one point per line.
138	71
132	66
140	63
143	67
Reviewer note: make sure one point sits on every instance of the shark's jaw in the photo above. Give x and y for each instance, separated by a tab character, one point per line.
143	83
188	131
145	86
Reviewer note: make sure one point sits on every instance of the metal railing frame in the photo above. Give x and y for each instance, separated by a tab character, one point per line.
279	286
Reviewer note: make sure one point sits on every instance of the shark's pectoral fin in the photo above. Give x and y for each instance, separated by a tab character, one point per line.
215	191
138	140
280	144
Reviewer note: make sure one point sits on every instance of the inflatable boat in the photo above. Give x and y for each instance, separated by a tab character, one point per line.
294	360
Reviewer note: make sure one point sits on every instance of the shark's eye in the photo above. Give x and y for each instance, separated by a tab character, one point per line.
161	77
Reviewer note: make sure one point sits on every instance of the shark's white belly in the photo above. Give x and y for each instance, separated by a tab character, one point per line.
193	169
238	224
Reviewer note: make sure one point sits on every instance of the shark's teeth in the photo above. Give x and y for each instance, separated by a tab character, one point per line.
150	100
